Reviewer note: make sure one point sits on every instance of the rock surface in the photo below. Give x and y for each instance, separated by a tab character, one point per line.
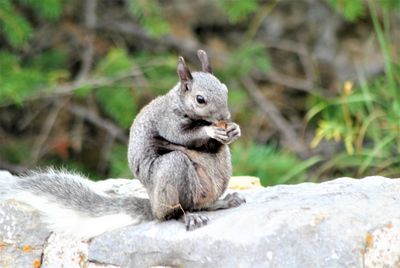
22	235
341	223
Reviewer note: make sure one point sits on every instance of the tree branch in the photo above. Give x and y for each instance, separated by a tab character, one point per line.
46	129
188	47
272	113
88	51
113	129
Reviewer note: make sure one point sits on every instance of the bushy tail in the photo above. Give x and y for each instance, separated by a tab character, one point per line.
71	204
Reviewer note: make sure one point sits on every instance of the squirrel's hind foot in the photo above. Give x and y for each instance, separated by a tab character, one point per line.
194	221
234	200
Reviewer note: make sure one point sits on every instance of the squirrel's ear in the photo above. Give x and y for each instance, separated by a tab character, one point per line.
183	71
205	65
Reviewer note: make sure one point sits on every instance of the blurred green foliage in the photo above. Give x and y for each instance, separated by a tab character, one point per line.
354	9
351	10
149	14
270	164
21	81
247	58
364	118
238	10
16	27
119	162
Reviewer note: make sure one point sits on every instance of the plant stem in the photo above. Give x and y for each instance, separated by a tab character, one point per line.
384	44
258	19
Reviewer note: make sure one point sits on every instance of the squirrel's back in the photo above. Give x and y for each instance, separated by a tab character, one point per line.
143	131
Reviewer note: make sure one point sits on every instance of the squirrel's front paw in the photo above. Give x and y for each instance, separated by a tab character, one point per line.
217	133
233	131
194	221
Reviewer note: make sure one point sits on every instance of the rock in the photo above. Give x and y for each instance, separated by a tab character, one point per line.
22	236
134	187
122	187
340	223
5	174
308	225
244	183
382	245
62	251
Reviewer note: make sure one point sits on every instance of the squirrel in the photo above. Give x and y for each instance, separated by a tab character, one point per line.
178	149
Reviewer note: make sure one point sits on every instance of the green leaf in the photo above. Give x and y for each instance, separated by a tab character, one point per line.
155	26
238	10
316	109
49	60
115	62
15	150
18	83
15	28
268	163
119	103
390	4
236	96
159	69
378	149
351	10
49	9
83	90
299	169
149	15
249	57
119	167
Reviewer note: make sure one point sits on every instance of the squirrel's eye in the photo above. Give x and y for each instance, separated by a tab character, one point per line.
200	99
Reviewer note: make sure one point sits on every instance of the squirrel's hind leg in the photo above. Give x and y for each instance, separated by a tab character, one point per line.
176	183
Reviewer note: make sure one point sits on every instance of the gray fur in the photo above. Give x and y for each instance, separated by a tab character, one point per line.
205	65
171	152
73	191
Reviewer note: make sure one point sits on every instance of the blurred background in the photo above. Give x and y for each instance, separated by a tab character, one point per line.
314	84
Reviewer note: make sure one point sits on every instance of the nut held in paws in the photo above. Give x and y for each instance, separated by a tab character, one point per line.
221	124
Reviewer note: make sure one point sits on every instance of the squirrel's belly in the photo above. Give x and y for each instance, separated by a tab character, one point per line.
209	190
213	172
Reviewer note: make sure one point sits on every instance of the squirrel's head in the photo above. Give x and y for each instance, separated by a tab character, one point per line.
203	96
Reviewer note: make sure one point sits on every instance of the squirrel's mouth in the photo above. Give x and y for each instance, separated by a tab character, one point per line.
216	122
201	120
211	121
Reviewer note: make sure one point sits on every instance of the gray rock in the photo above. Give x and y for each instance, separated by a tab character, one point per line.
382	246
340	223
22	236
62	251
124	187
305	225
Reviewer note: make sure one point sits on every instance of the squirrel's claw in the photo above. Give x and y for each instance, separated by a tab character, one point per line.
234	200
194	221
233	131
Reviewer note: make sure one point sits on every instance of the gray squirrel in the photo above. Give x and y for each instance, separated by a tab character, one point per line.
178	149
